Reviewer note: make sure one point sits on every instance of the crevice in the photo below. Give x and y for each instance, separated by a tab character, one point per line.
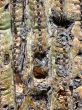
40	55
6	59
6	7
40	95
39	72
60	19
6	107
79	53
76	105
61	1
40	69
61	92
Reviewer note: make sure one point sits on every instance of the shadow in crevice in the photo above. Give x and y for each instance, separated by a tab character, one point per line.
60	19
40	70
79	53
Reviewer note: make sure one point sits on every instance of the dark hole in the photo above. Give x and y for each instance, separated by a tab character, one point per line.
6	6
40	55
11	108
77	77
37	0
48	88
6	59
5	106
2	89
60	19
14	1
61	92
80	39
40	95
37	5
57	60
79	53
38	13
39	73
63	23
76	105
61	1
71	88
41	3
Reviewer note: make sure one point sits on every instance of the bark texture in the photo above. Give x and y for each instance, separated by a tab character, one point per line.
41	55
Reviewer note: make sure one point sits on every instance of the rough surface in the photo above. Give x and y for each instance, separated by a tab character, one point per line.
41	55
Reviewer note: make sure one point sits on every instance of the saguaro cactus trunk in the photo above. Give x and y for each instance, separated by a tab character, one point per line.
40	55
